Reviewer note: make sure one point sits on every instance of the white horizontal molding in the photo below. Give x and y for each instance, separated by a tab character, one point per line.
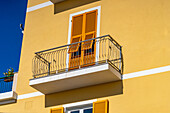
146	72
39	6
29	95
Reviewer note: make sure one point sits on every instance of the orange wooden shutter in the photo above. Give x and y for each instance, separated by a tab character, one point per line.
100	106
90	29
57	110
76	35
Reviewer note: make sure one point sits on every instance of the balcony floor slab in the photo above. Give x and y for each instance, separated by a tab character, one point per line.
8	97
78	78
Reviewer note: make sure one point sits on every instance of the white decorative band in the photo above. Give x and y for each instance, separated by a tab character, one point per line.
125	76
29	95
146	72
45	4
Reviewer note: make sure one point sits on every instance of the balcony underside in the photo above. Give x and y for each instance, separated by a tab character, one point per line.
78	78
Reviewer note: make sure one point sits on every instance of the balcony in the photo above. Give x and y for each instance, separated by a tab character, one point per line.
7	89
80	64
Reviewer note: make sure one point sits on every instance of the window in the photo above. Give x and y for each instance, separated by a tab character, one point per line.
95	107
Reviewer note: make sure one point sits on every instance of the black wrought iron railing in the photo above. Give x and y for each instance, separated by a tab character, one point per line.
6	84
77	55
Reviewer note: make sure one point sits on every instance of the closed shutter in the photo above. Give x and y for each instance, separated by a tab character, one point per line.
90	29
57	110
100	106
76	36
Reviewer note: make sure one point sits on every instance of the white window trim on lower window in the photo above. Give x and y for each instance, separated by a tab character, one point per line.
98	8
79	108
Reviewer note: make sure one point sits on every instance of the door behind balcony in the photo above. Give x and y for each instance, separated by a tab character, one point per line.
83	28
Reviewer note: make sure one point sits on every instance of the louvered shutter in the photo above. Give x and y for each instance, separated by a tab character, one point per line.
76	36
100	107
57	110
90	29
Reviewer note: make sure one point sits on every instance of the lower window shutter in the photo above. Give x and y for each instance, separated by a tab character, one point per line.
57	110
100	106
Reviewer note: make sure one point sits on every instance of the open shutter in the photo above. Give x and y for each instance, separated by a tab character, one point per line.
76	35
100	106
90	29
74	47
57	110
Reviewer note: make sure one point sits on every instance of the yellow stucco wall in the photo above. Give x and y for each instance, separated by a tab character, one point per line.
142	27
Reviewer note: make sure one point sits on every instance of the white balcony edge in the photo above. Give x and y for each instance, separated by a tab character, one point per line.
78	72
8	96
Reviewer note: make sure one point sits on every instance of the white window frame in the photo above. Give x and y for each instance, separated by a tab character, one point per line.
81	110
98	8
78	106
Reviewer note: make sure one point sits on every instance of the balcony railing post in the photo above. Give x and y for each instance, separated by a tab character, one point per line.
49	68
121	65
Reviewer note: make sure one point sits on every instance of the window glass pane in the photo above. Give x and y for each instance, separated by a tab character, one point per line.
88	110
74	111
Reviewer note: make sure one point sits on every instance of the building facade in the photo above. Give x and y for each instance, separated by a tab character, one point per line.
93	56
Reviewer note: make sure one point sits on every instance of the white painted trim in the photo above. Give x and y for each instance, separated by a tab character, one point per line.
125	76
14	85
45	4
29	95
8	95
147	72
98	8
79	103
69	74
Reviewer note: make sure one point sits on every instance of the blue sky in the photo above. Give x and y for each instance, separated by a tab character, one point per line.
12	13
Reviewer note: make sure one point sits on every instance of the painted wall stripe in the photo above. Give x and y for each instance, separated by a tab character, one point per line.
45	4
29	95
125	76
147	72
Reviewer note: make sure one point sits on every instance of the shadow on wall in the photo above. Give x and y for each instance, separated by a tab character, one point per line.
69	4
86	93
